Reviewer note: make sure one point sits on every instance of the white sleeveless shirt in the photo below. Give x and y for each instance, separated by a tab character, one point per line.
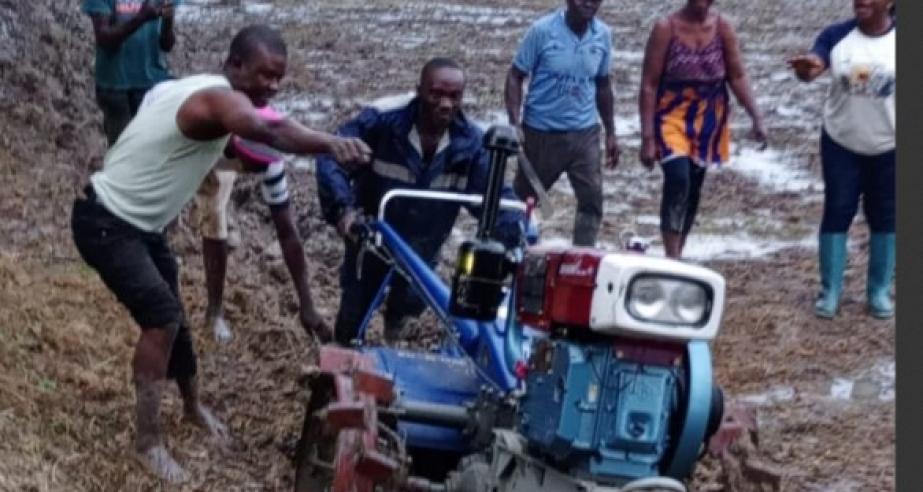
153	170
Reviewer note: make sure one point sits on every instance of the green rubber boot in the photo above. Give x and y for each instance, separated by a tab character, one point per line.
880	274
832	265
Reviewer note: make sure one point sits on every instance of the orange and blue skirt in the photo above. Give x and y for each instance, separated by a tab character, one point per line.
692	121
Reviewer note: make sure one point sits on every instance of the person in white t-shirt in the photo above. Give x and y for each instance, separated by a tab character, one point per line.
152	170
857	147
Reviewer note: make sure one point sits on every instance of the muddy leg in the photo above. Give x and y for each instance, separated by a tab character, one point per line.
150	371
673	244
197	413
215	258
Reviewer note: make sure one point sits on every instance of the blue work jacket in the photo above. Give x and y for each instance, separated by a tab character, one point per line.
460	165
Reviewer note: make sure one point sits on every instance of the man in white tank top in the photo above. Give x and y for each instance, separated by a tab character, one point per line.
149	174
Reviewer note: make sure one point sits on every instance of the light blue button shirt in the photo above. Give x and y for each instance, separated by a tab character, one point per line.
563	69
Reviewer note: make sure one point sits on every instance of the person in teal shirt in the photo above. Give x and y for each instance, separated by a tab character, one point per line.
131	37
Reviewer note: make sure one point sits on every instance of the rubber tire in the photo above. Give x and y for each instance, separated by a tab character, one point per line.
473	476
313	432
715	413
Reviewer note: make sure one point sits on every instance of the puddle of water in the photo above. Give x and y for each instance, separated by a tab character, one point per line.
201	11
780	76
627	125
702	247
773	170
257	8
627	56
649	220
698	248
556	242
774	395
874	383
841	485
841	389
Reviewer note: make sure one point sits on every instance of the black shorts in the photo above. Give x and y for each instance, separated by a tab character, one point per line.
139	268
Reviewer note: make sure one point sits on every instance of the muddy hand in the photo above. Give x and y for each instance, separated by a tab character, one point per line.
758	134
347	220
314	324
806	67
648	154
148	11
612	151
351	153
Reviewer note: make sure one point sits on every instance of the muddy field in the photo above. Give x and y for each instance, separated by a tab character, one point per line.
823	391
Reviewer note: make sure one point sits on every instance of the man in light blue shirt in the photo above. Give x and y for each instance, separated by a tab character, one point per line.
567	57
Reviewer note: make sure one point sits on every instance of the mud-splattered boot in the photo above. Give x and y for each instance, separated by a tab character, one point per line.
832	264
880	274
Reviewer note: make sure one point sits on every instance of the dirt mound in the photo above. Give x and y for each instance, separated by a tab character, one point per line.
49	129
45	61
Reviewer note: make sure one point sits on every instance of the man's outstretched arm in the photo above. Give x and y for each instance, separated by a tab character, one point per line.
213	113
293	253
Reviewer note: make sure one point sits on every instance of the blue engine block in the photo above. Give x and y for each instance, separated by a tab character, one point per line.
597	416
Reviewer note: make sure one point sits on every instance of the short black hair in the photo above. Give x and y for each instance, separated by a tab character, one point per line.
438	62
245	42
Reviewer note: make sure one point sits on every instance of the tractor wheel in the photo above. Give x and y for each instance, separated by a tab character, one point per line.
316	445
716	415
473	475
654	484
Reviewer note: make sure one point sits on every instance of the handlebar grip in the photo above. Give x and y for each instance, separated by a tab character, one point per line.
360	229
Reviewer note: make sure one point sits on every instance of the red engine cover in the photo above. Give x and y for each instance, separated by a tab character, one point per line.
556	287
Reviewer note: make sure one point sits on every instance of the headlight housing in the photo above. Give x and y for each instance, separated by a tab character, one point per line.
669	300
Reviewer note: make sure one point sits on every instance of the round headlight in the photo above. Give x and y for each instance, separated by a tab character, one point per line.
647	298
689	303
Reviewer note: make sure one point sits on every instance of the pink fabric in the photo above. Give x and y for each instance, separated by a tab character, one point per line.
269	114
255	152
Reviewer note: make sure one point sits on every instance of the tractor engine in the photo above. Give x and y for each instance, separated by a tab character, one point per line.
607	384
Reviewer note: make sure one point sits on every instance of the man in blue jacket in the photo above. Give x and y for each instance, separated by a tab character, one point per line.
424	144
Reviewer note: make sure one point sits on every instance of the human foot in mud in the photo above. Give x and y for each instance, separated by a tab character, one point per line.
220	327
158	461
204	418
199	414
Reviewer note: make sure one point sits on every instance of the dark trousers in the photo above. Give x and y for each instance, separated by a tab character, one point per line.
578	154
119	107
682	186
358	292
140	269
849	176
